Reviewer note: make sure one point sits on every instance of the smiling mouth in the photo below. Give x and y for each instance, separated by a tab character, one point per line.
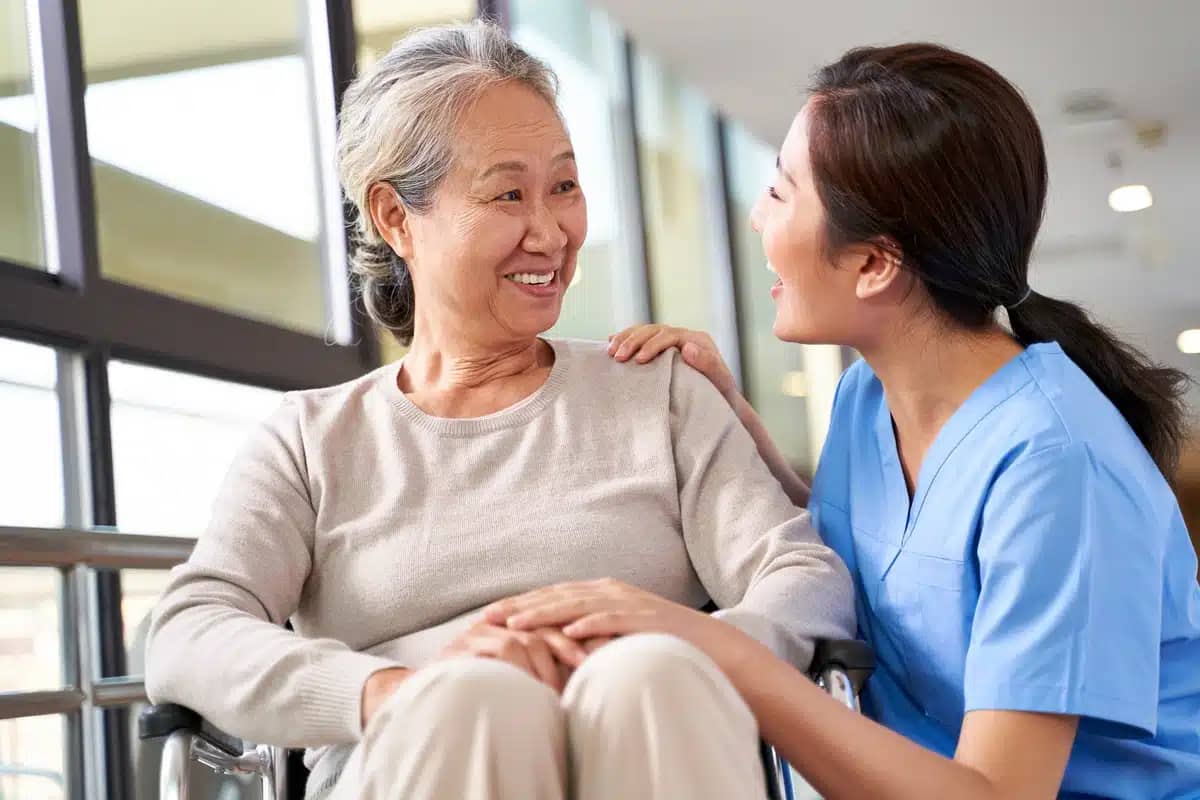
532	278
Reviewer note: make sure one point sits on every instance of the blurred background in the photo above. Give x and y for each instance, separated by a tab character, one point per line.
172	258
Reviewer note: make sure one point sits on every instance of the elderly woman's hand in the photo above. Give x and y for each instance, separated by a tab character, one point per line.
607	608
644	343
544	652
547	654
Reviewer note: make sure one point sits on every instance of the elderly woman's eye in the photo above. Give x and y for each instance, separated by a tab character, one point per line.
567	186
513	196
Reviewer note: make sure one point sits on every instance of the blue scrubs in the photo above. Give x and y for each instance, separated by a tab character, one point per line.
1042	565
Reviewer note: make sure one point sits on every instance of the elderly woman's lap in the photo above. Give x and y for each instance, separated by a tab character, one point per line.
644	717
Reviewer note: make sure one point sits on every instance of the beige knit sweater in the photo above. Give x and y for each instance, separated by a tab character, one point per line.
379	530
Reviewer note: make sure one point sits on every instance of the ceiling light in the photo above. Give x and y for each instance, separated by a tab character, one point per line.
795	383
1189	341
1134	197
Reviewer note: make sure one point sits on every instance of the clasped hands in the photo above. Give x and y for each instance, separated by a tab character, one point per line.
549	632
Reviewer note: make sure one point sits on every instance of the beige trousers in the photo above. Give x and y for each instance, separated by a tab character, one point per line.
646	716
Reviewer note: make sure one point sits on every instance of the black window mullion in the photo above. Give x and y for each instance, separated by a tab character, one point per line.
496	10
110	639
343	45
65	165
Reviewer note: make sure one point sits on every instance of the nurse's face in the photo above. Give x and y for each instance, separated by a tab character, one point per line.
815	298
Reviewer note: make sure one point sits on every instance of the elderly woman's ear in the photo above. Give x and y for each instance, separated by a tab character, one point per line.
391	218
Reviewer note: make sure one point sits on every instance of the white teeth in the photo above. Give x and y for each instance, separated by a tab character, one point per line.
532	279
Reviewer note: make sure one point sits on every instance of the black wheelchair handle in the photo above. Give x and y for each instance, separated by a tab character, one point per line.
160	721
854	657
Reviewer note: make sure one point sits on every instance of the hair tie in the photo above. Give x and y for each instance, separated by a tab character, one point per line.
1024	297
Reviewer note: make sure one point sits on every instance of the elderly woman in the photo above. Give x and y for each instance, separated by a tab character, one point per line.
379	516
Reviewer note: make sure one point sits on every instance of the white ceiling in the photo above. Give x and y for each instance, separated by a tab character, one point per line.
1138	272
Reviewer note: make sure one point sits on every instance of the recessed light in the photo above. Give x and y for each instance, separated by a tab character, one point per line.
1189	341
1134	197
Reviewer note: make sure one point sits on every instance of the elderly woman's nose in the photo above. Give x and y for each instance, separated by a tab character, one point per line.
546	233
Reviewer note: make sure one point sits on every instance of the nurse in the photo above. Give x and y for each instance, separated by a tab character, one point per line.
994	481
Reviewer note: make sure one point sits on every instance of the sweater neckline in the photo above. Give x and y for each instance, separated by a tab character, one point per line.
521	412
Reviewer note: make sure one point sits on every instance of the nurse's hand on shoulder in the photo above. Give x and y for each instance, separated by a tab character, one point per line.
644	343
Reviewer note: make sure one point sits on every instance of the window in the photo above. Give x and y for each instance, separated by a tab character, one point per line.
20	208
31	758
201	132
586	50
31	474
379	23
30	648
140	590
681	196
174	436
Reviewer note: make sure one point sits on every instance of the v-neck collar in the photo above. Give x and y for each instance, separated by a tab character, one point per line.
999	386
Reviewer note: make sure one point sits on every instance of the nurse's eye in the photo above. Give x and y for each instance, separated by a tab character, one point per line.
774	194
512	196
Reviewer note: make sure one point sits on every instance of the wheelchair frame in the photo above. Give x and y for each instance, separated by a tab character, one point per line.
840	667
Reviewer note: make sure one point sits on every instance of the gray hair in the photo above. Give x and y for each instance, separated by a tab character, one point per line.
397	125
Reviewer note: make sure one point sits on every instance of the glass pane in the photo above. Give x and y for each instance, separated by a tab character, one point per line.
776	384
174	436
31	487
31	758
379	23
30	630
586	50
140	590
677	151
203	782
200	129
20	206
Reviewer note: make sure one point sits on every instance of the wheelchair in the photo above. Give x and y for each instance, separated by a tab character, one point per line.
841	667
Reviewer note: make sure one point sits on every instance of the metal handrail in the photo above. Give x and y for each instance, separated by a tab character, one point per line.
75	551
108	692
32	704
66	547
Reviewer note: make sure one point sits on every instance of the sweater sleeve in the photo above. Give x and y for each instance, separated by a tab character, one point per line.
217	642
758	556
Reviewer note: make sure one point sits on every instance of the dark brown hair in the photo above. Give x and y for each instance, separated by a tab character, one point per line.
927	150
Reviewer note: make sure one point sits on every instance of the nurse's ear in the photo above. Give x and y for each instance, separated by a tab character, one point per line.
878	267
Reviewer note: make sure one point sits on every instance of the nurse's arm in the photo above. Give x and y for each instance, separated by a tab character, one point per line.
1001	754
793	485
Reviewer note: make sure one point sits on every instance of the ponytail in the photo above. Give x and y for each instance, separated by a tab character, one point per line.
1149	396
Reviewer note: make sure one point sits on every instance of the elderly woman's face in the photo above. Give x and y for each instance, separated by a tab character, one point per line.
493	257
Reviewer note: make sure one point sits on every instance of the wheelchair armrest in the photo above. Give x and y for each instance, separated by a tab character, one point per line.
853	656
162	720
